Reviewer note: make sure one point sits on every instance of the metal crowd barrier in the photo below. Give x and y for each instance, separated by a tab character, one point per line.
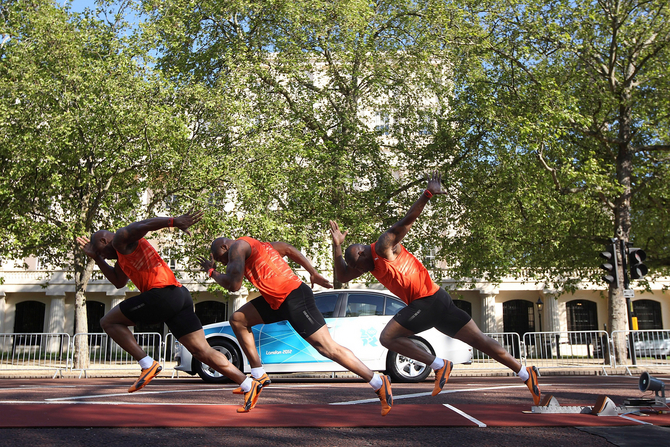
24	351
650	348
561	349
105	354
512	343
569	349
169	351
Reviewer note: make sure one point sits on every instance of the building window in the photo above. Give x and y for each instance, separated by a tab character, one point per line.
29	317
465	306
95	310
648	313
582	315
211	312
382	122
518	316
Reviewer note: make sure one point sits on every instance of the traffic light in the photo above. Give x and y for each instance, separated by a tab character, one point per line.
610	266
636	257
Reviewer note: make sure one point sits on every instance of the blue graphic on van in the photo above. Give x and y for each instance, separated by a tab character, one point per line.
369	336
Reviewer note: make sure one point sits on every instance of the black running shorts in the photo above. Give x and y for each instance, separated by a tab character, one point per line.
171	305
299	308
437	310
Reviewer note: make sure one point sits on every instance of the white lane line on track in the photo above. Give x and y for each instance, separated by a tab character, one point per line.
144	393
32	402
635	420
409	396
465	415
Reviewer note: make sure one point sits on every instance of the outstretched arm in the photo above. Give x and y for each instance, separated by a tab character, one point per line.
295	255
126	238
343	272
114	274
394	235
237	255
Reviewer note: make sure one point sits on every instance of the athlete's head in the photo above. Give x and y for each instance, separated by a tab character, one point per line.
220	248
101	242
359	257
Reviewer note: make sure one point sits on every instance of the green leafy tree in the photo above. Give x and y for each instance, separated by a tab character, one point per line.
572	104
87	128
336	103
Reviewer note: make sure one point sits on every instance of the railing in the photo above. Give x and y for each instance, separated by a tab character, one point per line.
105	354
562	349
26	351
512	343
569	349
651	348
169	351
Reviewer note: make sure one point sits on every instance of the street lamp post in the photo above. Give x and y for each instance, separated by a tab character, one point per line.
540	304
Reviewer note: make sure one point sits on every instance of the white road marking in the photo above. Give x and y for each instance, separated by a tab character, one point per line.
465	415
635	420
409	396
144	393
32	402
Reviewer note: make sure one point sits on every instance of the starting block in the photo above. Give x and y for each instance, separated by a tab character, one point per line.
604	407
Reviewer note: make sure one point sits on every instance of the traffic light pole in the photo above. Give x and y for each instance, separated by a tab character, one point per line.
628	293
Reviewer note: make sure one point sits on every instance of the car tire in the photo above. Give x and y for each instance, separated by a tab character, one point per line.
405	369
227	348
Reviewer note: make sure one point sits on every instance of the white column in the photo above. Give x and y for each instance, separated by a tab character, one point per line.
3	340
551	319
237	300
488	311
3	300
56	323
56	315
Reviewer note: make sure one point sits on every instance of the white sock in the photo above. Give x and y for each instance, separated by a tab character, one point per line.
246	385
437	363
376	382
146	362
523	373
257	373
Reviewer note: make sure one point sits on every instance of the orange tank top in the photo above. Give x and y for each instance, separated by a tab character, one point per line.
405	276
267	270
146	269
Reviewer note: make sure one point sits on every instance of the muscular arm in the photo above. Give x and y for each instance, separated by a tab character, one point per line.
343	272
114	274
387	244
237	255
126	238
288	250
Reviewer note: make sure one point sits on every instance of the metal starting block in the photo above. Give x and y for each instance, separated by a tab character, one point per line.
604	407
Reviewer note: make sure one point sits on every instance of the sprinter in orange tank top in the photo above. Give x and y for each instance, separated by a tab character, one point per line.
162	299
283	297
428	305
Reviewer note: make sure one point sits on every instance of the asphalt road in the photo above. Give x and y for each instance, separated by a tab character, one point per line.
568	390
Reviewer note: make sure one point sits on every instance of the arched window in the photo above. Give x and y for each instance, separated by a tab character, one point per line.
29	317
95	310
211	312
518	316
648	313
465	306
582	315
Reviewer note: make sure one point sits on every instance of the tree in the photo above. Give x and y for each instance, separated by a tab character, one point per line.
87	129
574	106
339	101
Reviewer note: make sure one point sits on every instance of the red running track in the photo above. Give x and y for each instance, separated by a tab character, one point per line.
157	415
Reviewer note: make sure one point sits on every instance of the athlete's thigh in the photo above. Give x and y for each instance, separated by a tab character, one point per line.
250	315
303	314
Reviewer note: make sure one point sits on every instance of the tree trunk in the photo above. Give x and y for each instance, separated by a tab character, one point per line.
618	312
83	271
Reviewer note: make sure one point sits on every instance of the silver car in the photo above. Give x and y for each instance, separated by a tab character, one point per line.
355	319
